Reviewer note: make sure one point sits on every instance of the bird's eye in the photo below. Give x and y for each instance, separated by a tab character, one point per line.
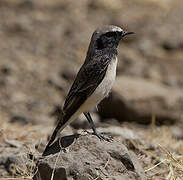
110	34
119	33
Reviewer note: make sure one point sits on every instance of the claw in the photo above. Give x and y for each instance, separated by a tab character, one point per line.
100	136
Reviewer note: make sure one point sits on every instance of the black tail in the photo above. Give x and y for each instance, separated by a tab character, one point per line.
61	120
63	117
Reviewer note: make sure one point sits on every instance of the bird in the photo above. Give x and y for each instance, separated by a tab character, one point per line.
94	79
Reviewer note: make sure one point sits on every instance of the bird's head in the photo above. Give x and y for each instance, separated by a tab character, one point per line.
108	37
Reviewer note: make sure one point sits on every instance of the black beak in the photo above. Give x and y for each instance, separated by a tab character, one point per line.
127	33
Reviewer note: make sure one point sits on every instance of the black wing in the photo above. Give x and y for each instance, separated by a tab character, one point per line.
87	80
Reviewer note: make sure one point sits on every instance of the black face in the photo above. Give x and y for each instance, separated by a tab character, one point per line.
109	40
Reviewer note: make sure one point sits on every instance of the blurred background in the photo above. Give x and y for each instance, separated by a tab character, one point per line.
43	43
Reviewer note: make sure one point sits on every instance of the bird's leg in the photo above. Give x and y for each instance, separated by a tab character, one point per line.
95	132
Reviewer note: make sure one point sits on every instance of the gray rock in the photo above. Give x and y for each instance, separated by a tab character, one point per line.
135	99
15	162
177	132
20	119
89	158
45	172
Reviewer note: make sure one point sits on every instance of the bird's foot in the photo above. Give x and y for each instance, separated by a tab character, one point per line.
100	136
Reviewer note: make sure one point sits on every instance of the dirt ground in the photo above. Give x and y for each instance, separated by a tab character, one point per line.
42	45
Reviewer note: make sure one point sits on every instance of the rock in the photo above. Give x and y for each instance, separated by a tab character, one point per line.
135	99
13	143
123	132
87	158
15	162
127	136
68	75
45	172
20	119
3	172
177	132
122	177
5	70
57	82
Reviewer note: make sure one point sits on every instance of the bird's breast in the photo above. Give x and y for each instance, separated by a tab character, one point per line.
105	86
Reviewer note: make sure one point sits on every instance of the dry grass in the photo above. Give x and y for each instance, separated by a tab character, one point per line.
24	138
164	158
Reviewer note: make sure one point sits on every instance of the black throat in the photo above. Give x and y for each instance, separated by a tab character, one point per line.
110	52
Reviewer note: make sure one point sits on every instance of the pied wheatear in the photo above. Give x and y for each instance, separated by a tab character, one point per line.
94	79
